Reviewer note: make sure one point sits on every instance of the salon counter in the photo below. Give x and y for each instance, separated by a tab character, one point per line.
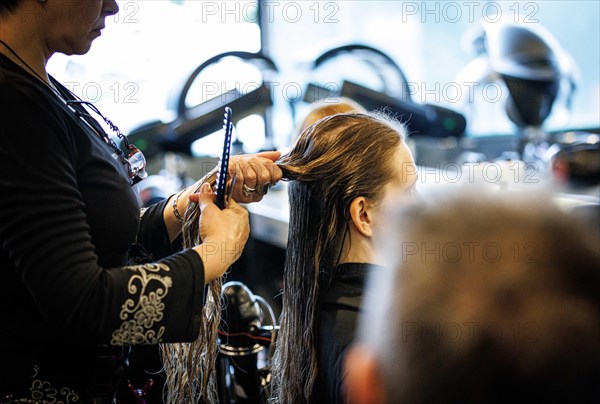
269	218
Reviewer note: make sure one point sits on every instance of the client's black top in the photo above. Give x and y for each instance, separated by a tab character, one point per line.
337	326
69	223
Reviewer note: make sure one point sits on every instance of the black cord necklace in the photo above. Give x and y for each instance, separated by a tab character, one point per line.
135	161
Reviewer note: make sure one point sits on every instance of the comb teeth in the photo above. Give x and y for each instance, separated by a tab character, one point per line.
221	199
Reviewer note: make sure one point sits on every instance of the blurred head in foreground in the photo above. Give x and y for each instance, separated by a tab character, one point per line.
485	300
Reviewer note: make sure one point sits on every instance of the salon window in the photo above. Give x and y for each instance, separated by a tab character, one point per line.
134	71
150	47
430	42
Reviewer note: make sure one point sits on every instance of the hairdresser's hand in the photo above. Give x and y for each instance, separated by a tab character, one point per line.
223	232
255	174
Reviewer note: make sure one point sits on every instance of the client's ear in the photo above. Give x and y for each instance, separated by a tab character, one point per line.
363	383
362	216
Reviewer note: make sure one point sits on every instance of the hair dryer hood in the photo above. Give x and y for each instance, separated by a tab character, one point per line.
527	52
532	64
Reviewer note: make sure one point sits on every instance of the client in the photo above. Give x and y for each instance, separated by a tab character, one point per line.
343	170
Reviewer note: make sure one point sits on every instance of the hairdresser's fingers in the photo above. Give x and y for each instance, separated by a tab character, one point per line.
255	174
259	167
204	196
271	155
222	231
268	160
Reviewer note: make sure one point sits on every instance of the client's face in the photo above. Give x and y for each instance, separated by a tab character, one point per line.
400	190
368	217
402	187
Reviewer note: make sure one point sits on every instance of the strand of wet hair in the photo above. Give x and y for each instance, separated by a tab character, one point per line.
190	368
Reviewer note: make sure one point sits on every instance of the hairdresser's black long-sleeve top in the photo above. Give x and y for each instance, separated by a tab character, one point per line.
68	220
338	319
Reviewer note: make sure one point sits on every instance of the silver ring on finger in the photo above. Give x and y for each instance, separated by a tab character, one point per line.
247	191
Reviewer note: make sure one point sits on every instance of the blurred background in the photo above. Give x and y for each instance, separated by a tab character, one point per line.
509	89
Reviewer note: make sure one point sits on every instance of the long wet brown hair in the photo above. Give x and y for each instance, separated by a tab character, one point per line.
335	160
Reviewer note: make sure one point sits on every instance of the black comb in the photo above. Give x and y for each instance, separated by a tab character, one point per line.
222	179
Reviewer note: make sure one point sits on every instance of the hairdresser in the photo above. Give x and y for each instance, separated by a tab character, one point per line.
72	297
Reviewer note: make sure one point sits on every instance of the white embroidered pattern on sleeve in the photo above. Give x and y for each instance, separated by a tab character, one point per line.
145	308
